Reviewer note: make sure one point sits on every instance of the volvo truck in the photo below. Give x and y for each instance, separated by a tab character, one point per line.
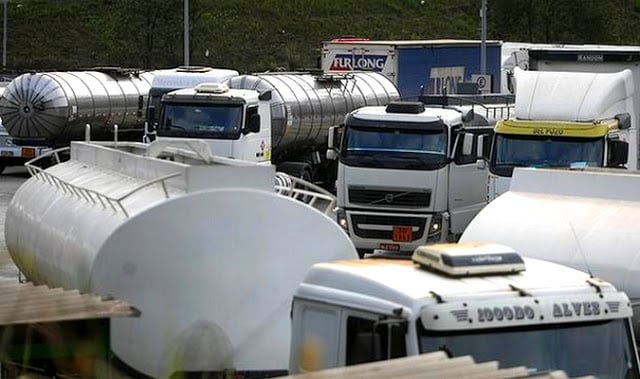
408	174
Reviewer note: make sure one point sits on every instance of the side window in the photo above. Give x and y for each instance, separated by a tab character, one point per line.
370	340
317	336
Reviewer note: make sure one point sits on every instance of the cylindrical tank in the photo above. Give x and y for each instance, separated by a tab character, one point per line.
304	106
582	219
52	108
212	268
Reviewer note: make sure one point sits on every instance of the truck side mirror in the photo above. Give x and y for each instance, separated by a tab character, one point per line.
618	154
467	115
151	113
467	144
253	124
480	153
624	120
332	150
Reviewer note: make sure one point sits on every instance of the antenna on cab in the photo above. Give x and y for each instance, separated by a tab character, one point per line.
584	258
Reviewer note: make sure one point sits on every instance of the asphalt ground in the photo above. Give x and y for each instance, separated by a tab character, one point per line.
10	180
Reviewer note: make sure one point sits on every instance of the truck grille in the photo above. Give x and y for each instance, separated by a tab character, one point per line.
382	197
391	221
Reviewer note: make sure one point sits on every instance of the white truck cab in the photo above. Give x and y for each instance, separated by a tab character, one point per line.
477	299
408	175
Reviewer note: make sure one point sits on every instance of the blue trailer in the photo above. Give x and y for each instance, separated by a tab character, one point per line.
430	67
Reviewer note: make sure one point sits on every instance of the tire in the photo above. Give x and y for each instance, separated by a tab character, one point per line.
299	170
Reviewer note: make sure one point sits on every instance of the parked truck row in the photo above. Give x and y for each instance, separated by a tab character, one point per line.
289	119
195	243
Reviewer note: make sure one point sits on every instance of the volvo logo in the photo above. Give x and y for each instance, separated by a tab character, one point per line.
389	198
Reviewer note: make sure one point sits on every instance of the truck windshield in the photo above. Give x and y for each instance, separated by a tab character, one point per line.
395	146
603	349
511	151
216	121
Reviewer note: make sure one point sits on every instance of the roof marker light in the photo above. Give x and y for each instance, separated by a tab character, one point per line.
465	259
212	88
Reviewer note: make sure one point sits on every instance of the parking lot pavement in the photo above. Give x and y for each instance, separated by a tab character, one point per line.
10	180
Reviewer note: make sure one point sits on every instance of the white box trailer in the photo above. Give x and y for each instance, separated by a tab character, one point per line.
416	66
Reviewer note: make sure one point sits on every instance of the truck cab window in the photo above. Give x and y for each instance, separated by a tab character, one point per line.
202	120
370	340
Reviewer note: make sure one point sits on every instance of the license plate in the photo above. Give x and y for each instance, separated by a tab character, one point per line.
28	152
389	246
402	234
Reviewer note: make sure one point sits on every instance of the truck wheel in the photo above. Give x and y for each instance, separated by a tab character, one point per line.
297	169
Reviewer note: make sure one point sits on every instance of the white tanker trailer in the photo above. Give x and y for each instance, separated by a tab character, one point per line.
582	219
203	246
282	118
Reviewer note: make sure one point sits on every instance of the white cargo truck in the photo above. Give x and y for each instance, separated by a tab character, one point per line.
477	299
408	174
567	119
278	118
417	67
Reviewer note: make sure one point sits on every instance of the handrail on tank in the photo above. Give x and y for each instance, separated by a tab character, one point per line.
33	169
88	194
161	179
306	192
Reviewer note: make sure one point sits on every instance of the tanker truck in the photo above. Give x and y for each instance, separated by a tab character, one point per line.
52	108
583	219
281	118
203	246
182	77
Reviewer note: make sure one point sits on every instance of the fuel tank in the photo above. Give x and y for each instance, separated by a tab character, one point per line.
203	246
304	106
52	108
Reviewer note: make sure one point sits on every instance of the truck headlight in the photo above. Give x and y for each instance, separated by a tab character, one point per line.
434	232
341	218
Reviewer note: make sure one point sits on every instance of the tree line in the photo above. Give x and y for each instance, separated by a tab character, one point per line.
252	36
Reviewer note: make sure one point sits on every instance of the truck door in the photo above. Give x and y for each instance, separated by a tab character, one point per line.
468	178
315	336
